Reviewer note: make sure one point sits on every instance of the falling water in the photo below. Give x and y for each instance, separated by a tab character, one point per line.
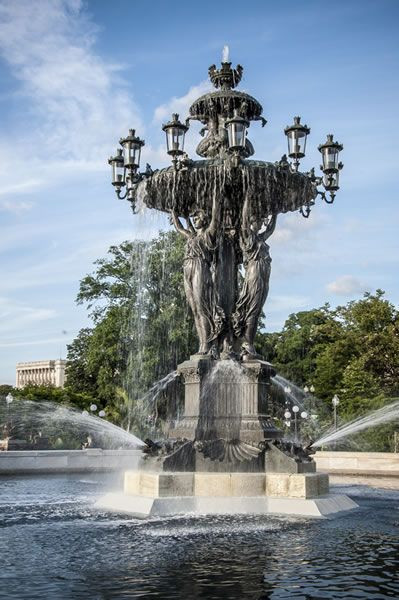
48	419
147	406
386	414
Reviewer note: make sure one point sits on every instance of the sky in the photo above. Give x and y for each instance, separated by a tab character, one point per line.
76	75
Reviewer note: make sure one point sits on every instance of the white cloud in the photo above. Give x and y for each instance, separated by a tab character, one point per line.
16	207
16	315
347	285
77	101
181	104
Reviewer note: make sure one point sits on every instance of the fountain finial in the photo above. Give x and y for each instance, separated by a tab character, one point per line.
225	78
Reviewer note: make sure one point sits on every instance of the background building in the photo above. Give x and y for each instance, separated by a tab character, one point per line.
41	372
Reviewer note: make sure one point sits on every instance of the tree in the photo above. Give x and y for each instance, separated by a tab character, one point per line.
142	325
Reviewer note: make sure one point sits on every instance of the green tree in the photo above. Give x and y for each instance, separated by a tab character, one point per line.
142	327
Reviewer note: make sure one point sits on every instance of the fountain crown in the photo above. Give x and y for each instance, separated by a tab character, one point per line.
225	78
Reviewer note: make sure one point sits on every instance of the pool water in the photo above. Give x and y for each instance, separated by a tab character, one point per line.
55	545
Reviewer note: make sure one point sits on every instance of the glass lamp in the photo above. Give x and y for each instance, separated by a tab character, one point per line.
118	169
175	132
236	131
131	145
330	154
296	137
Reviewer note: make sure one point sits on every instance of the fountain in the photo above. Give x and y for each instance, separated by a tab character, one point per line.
225	454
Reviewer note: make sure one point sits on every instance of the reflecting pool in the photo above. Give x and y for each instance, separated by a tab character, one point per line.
55	545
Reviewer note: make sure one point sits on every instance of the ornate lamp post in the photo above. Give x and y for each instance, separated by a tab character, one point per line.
304	415
296	136
331	166
125	165
175	132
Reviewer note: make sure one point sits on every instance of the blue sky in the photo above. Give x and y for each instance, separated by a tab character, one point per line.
74	76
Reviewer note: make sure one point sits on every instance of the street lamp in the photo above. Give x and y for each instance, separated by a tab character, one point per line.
295	410
304	415
331	166
131	145
335	403
175	133
118	169
125	164
296	137
237	131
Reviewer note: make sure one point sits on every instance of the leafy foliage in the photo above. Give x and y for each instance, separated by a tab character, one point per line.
142	325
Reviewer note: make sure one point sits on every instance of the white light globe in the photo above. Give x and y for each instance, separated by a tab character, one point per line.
304	414
295	409
85	413
287	414
101	413
93	407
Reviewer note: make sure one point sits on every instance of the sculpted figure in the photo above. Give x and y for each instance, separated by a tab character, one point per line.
257	262
199	285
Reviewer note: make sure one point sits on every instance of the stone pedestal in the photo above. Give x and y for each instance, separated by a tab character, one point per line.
159	485
225	400
225	455
162	494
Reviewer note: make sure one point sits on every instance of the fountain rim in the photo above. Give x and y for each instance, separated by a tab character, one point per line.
257	108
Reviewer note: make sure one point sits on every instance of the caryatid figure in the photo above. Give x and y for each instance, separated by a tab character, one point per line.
202	240
257	262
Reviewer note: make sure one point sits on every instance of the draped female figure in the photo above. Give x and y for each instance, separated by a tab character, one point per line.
199	285
257	262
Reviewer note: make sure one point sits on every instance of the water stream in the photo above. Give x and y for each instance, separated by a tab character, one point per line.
25	418
386	414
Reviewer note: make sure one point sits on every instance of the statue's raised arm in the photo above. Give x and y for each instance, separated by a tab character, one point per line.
270	227
179	226
214	224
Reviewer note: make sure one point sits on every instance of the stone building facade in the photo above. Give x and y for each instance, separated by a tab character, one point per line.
41	372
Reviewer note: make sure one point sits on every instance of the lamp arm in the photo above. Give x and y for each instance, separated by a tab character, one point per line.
118	193
264	121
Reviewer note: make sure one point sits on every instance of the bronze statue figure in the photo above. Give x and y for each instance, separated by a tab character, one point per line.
199	285
257	263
